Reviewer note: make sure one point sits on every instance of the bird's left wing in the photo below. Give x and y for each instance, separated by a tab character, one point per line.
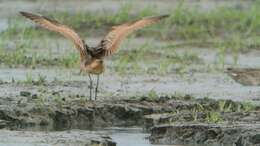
113	39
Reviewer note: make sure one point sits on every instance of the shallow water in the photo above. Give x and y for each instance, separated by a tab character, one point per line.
130	137
3	25
212	85
122	136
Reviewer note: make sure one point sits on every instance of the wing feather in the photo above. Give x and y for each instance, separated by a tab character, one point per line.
55	26
113	39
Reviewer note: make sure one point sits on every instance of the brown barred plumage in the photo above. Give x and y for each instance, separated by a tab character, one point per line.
91	58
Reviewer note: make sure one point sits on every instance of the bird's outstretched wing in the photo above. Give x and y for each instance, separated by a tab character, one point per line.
113	39
56	26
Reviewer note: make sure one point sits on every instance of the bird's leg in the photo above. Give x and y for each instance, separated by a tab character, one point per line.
90	86
80	72
96	89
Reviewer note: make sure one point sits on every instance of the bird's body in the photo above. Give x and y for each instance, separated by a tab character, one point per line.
92	58
95	66
245	76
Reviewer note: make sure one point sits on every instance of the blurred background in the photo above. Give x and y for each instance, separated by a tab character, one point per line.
185	54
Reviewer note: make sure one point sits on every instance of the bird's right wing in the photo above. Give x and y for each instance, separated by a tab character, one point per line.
55	26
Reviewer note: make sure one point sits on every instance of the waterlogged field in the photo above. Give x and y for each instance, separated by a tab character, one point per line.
186	55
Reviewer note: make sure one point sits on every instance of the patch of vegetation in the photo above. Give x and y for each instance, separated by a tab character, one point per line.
184	23
214	117
39	80
207	110
152	94
248	106
229	29
23	54
147	59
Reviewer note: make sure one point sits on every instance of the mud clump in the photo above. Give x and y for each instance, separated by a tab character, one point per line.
25	93
104	142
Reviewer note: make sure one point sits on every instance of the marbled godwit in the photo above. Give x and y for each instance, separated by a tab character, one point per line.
92	58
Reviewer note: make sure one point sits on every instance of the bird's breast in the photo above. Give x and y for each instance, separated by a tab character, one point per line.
96	66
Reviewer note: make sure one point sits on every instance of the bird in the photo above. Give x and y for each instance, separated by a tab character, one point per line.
92	58
245	76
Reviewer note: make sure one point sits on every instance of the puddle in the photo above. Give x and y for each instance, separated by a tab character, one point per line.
129	137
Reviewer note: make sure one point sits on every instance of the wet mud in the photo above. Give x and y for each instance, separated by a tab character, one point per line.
170	120
58	138
206	134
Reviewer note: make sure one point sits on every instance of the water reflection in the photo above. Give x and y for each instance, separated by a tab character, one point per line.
130	137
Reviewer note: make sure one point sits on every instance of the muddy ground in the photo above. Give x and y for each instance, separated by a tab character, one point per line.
171	120
66	138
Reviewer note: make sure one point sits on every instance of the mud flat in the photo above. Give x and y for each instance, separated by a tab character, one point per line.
171	120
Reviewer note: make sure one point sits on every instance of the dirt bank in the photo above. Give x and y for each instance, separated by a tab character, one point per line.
207	134
78	113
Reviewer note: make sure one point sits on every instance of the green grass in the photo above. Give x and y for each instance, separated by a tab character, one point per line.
224	28
184	23
147	58
30	80
20	58
23	54
141	59
214	117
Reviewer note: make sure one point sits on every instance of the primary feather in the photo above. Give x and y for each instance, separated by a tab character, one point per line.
56	26
113	39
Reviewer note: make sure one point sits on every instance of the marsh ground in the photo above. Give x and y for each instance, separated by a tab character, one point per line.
184	55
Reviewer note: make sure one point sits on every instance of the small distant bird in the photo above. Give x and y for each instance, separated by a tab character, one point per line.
245	76
92	58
